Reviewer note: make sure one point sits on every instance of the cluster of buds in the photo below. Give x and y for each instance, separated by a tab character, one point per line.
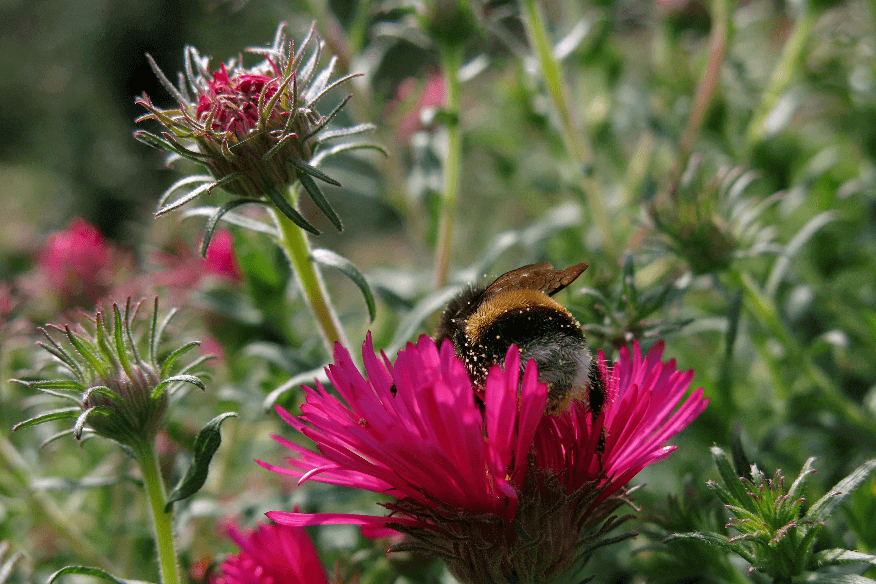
256	130
777	529
120	391
707	220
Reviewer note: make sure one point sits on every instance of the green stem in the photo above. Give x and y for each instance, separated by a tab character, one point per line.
576	140
451	61
718	45
294	243
785	72
162	521
42	506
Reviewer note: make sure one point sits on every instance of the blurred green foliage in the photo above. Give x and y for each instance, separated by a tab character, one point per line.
780	329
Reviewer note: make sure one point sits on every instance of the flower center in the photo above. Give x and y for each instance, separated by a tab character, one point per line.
234	101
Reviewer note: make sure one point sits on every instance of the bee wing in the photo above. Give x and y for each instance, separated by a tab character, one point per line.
541	277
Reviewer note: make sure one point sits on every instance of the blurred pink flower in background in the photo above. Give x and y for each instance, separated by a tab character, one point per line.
432	95
186	269
78	264
271	554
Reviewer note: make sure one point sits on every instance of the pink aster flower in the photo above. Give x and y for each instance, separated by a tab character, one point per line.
271	554
484	478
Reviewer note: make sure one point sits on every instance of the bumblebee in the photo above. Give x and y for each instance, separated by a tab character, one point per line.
483	322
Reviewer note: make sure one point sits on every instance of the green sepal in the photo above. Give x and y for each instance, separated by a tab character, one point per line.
825	505
197	178
234	218
59	414
348	131
715	539
293	382
346	147
213	221
80	421
195	192
61	434
316	195
9	563
207	442
836	557
94	572
171	359
159	389
53	387
162	143
326	257
305	168
289	211
732	482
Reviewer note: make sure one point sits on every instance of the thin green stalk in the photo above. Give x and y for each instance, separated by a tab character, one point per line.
451	61
294	243
785	72
576	139
43	507
163	522
718	46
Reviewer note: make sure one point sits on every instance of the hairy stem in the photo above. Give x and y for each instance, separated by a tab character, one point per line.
576	139
162	521
785	72
294	243
451	61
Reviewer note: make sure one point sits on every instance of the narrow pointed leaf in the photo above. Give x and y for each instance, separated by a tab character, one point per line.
824	506
836	557
797	485
159	389
731	480
83	417
316	194
783	262
331	259
234	218
59	435
302	166
293	382
59	414
207	442
198	178
348	131
213	221
171	359
192	194
289	211
94	572
347	147
715	539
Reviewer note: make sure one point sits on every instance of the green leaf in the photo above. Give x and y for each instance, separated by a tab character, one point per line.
159	389
732	482
839	579
347	147
326	257
171	359
715	539
348	131
421	311
289	211
206	443
303	167
824	506
234	218
95	572
797	485
783	262
319	199
6	567
59	414
213	221
198	178
840	556
80	421
292	383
